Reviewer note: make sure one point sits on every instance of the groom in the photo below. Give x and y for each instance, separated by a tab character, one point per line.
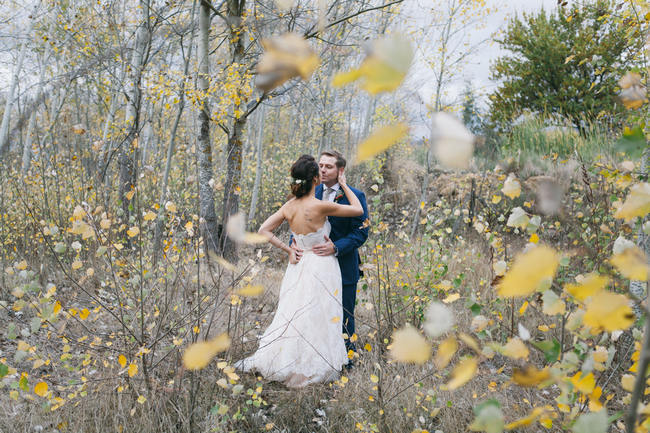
347	235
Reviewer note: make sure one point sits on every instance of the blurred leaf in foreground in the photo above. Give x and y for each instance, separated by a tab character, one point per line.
637	203
529	270
384	68
199	355
285	57
453	144
380	140
410	346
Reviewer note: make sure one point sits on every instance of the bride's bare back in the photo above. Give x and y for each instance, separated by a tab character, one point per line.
304	215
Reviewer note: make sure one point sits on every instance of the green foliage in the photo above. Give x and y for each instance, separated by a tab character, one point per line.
564	63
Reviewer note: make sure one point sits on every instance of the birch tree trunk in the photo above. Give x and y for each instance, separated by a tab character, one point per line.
234	147
258	165
4	126
172	139
128	154
207	212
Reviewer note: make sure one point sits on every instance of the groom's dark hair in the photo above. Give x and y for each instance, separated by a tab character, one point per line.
340	160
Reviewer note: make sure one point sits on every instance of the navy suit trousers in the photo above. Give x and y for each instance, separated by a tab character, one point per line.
349	296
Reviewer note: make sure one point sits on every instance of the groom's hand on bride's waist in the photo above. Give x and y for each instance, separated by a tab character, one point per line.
325	249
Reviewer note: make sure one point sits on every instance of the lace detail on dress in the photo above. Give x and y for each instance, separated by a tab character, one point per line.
304	343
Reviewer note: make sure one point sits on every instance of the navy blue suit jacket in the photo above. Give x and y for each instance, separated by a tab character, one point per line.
348	234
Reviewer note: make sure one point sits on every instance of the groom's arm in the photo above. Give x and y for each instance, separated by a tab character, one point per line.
359	234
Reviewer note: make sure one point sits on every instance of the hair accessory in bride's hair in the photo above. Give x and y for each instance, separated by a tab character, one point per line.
301	181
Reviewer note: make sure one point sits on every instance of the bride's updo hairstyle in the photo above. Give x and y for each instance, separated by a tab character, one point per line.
303	172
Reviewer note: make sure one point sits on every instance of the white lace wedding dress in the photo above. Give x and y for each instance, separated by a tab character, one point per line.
304	343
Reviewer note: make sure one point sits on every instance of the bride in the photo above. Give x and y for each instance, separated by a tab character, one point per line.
304	344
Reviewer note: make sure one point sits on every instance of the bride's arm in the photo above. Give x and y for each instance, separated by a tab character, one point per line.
272	223
343	210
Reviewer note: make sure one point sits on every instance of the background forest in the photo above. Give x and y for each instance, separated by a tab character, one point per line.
143	142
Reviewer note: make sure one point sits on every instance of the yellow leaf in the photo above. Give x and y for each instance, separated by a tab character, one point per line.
385	67
531	376
170	207
335	319
627	382
250	290
76	264
584	384
409	346
534	238
451	298
609	311
380	140
445	353
105	223
199	355
529	270
511	187
22	265
133	232
129	195
148	216
374	378
285	56
523	308
589	286
40	389
637	203
142	399
631	263
78	213
463	373
255	238
568	59
83	314
496	199
133	369
122	360
516	349
470	342
527	420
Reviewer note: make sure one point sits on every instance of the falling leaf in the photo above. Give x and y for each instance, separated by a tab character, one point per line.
527	420
445	353
133	369
637	203
528	271
40	389
385	66
122	360
585	384
236	230
380	140
463	373
285	57
609	311
170	207
531	376
438	319
409	346
479	323
255	238
518	218
633	92
589	286
511	187
453	144
79	129
129	195
199	355
595	422
250	290
631	263
133	232
516	349
552	303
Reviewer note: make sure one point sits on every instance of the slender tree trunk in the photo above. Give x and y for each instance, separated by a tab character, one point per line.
129	149
234	146
172	140
258	165
207	212
4	126
27	149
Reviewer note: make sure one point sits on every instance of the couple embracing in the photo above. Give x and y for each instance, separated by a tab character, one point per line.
310	336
